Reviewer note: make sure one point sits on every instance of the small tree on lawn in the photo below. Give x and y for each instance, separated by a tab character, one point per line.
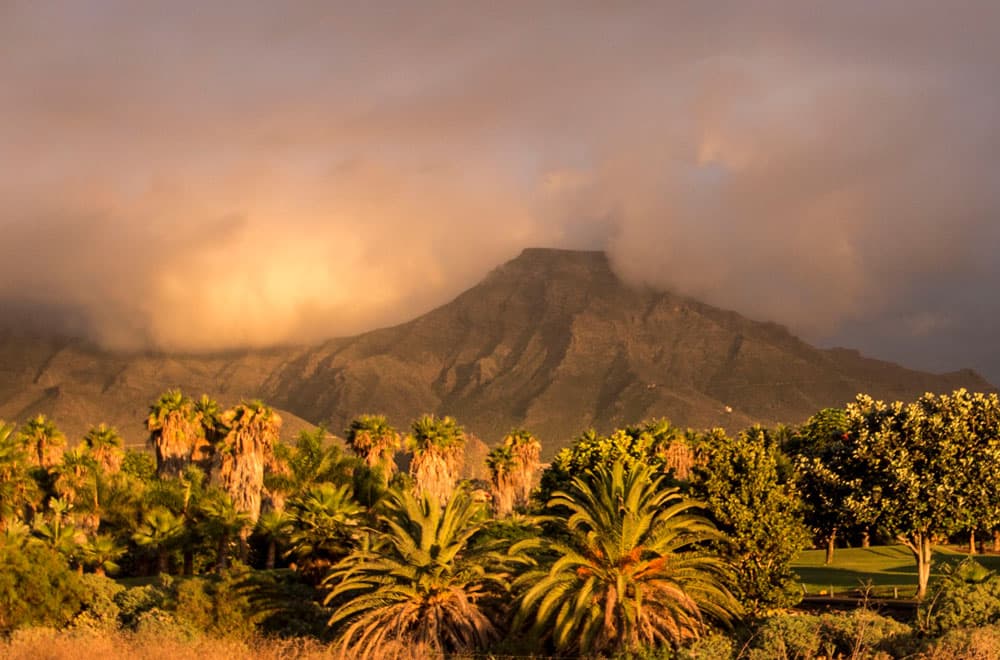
917	460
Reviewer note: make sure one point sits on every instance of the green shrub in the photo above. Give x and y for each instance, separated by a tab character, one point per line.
135	602
982	643
37	588
966	596
861	633
99	607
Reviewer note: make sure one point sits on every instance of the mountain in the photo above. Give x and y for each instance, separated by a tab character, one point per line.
553	341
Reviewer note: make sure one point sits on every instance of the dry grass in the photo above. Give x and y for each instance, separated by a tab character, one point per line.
48	644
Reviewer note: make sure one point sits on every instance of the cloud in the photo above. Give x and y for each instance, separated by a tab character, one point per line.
188	178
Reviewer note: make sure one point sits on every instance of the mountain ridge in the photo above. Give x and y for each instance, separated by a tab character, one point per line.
551	340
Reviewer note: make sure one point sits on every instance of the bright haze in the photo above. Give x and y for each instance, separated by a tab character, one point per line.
201	176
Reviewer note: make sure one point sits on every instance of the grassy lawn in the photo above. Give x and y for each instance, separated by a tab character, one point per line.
883	567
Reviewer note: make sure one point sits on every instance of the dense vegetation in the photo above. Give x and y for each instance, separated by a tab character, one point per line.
651	540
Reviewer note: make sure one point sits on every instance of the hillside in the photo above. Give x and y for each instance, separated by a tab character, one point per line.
551	340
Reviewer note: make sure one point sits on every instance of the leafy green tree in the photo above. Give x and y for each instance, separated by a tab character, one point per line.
37	588
915	461
375	441
825	474
438	448
174	430
421	587
43	440
275	527
760	516
655	443
632	572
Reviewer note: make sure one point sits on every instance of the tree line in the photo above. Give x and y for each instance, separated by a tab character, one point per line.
649	536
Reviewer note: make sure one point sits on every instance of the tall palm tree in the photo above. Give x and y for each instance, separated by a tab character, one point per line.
421	587
174	430
253	429
19	493
375	441
513	466
223	522
630	574
213	430
105	444
43	440
76	480
438	447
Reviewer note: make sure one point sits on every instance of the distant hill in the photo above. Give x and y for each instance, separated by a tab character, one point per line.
552	341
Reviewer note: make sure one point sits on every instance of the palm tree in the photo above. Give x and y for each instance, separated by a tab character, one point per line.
630	574
76	480
373	439
438	447
18	491
101	552
105	444
174	430
43	440
160	530
223	522
247	448
323	526
512	468
274	526
421	587
213	430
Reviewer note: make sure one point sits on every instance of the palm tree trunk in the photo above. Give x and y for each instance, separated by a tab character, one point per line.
972	542
188	561
220	552
272	551
830	545
162	560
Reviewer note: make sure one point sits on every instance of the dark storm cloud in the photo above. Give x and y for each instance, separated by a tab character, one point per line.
191	177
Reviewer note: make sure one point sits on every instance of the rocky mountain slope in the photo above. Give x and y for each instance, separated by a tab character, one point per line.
551	340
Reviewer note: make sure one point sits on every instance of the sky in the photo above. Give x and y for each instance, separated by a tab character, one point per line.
191	176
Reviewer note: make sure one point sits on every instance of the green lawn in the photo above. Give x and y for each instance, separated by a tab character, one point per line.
883	567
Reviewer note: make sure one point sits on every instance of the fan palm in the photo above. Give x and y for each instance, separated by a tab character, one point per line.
43	441
247	448
18	491
512	468
630	574
160	530
174	430
105	444
101	552
373	439
323	525
422	587
438	447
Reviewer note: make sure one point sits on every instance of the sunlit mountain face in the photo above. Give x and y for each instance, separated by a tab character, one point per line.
184	178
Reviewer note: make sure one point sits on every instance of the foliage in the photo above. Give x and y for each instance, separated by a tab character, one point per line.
915	461
323	526
420	587
759	515
37	587
655	443
43	441
966	595
858	634
633	572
